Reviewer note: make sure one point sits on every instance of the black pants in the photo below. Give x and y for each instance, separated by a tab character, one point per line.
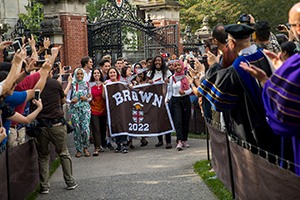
167	137
98	126
181	114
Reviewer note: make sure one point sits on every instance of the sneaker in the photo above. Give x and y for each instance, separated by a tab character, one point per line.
110	147
144	143
118	149
185	144
159	144
44	191
168	146
179	146
124	149
72	187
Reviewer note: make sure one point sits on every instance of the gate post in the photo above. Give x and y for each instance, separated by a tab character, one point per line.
65	24
164	13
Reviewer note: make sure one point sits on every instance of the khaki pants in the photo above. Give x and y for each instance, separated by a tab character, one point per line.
16	137
57	136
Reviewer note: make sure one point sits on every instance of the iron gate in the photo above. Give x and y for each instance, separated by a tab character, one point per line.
115	23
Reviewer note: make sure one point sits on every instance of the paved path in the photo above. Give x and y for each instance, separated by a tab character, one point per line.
146	173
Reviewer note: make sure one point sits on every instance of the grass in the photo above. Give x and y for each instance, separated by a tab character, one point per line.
55	164
202	168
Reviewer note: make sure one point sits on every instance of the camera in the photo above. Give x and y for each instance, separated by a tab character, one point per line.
212	48
64	77
244	19
67	68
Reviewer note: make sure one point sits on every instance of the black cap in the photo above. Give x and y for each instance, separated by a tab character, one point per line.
262	25
239	31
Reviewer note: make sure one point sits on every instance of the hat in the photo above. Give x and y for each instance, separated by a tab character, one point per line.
239	31
262	25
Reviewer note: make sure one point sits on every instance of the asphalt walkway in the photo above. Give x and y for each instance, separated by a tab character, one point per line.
145	173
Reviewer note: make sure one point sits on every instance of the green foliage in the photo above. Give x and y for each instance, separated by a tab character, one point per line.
228	11
203	168
93	8
34	15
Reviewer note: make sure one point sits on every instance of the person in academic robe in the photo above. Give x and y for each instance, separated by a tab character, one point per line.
238	95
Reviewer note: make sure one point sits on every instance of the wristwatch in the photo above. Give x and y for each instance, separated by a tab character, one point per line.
196	77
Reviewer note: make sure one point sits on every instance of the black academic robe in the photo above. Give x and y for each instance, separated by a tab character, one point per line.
238	95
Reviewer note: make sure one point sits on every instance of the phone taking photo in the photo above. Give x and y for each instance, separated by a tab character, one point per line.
40	63
16	44
37	94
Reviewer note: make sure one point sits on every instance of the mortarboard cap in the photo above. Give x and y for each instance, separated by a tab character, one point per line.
239	31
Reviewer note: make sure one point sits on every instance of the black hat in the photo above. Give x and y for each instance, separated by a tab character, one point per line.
262	25
239	31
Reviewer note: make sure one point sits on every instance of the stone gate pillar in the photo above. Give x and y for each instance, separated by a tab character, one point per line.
65	24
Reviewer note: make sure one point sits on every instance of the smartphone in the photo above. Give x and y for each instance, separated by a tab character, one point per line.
27	34
64	77
40	63
37	94
67	68
17	45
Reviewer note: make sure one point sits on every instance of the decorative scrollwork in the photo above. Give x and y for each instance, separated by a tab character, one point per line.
111	11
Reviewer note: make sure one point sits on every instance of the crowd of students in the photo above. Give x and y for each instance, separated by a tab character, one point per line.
249	86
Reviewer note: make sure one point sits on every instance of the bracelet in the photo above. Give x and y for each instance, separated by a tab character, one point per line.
193	85
26	72
195	77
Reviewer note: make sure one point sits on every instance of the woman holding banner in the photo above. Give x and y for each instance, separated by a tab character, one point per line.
159	72
180	104
121	141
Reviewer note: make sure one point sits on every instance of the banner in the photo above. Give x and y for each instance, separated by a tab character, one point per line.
138	111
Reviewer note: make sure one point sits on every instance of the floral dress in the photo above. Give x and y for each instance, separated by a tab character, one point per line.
80	114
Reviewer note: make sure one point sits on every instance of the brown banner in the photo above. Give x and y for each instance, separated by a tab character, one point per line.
138	111
253	176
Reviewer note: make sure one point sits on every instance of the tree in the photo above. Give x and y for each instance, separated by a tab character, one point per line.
34	15
228	11
93	8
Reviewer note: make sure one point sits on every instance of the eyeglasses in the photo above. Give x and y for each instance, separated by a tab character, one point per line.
294	25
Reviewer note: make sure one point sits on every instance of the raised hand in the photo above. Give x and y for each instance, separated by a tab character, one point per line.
5	44
256	72
276	60
47	42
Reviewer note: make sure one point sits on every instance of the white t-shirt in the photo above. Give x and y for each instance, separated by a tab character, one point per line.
87	76
158	75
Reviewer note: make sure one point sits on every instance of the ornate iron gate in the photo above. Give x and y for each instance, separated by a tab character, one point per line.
106	35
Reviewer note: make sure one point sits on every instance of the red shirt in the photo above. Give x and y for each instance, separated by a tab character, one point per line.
27	83
98	106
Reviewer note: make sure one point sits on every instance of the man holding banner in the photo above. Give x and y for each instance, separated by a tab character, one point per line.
139	111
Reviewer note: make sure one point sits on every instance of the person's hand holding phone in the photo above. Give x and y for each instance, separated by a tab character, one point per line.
38	103
212	59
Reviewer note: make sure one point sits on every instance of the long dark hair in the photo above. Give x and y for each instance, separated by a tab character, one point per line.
92	76
164	67
124	70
